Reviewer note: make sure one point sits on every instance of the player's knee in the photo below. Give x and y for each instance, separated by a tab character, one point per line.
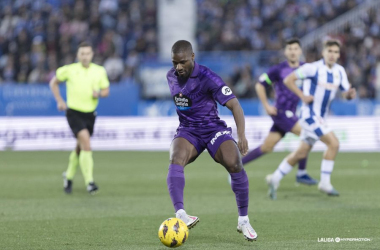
334	145
84	145
266	148
86	148
301	154
179	158
234	166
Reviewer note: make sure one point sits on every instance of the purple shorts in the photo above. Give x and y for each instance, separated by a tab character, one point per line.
283	122
211	141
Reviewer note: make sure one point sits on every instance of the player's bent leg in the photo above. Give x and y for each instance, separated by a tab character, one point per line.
332	144
270	141
301	153
73	163
228	155
327	165
70	172
286	167
302	176
83	137
296	129
182	152
86	161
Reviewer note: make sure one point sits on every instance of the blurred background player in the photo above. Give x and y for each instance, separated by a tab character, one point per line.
283	113
195	90
86	82
326	77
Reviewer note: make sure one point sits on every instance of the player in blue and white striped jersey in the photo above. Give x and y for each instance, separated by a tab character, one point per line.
323	79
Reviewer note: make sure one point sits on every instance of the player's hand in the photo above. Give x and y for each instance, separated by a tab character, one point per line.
351	93
308	99
61	105
95	94
243	145
271	110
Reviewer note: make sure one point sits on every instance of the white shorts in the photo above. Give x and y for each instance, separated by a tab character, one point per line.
313	128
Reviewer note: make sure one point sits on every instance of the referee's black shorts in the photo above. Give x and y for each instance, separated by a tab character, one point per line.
79	120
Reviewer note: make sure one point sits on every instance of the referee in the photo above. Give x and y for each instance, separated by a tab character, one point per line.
86	82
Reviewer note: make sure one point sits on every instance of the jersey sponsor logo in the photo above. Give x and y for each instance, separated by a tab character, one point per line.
328	86
217	135
182	102
226	91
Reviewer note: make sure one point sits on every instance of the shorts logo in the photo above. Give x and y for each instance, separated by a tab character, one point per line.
182	102
217	135
289	113
226	90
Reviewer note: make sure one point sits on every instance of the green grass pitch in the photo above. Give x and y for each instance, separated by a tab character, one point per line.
133	201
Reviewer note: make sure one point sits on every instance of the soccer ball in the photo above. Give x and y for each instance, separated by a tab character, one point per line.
173	232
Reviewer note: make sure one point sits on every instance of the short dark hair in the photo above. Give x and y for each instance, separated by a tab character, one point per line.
182	46
331	42
85	44
292	41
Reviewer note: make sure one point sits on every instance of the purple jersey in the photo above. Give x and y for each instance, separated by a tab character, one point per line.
195	98
285	99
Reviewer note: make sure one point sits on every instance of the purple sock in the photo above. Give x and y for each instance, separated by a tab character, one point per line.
240	186
254	154
176	184
302	164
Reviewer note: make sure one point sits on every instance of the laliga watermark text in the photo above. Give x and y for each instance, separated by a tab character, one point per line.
338	239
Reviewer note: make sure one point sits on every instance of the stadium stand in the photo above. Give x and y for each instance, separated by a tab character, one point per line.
38	36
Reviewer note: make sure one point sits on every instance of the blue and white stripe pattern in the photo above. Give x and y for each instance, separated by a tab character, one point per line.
323	84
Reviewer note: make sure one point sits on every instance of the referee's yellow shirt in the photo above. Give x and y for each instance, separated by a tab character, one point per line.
80	84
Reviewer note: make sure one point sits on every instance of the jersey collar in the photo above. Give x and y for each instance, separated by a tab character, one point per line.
80	65
195	70
328	69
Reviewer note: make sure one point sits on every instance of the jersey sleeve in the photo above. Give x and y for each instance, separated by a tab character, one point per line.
62	73
307	70
104	82
219	90
344	84
270	77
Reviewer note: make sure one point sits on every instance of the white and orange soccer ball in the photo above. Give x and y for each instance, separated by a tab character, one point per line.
173	232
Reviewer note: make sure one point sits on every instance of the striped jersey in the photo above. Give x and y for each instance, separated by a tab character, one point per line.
323	84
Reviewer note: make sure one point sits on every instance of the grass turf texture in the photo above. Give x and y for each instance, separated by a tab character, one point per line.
133	201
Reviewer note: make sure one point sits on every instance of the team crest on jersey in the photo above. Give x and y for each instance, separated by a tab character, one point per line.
182	101
226	91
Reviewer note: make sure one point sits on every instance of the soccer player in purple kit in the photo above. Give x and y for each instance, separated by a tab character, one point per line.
195	90
283	113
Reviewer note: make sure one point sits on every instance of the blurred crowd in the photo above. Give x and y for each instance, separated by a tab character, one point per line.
37	36
360	53
262	24
257	25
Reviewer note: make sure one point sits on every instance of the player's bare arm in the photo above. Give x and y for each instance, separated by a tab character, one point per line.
261	93
290	82
238	113
61	104
101	93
